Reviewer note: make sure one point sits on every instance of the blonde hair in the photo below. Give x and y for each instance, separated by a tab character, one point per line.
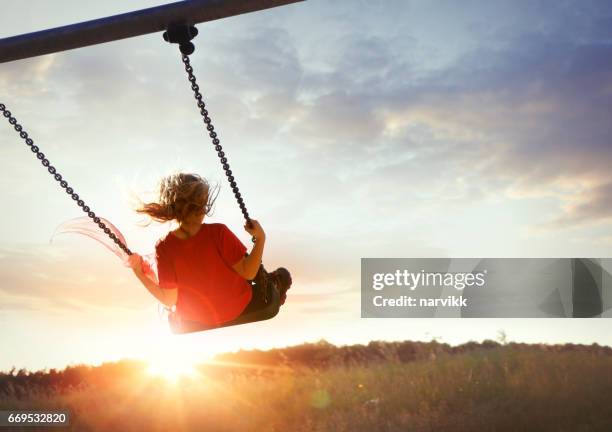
180	195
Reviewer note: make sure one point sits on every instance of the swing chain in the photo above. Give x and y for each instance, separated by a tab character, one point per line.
215	139
58	177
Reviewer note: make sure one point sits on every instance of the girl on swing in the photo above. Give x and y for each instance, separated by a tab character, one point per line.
203	269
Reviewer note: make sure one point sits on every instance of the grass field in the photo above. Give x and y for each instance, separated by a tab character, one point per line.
482	387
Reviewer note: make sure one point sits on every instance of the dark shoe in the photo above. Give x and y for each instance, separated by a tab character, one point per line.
281	278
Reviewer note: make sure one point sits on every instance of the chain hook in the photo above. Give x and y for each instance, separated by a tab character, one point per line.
181	34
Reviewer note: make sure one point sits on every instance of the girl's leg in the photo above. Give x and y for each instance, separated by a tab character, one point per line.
281	279
258	298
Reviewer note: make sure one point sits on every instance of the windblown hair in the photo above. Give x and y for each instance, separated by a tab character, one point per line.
179	196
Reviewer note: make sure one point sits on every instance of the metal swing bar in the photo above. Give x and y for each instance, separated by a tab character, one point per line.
127	25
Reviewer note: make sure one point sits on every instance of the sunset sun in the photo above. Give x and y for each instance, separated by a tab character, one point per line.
170	369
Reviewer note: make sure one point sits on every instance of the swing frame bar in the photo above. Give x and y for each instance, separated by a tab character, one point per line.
127	25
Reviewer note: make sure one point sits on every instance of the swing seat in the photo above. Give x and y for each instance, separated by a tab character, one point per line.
270	310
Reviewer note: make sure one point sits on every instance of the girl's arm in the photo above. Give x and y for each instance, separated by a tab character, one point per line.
165	296
248	266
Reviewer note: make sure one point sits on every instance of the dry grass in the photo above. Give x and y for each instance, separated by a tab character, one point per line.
496	389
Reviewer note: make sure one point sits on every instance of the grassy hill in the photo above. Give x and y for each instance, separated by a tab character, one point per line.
382	386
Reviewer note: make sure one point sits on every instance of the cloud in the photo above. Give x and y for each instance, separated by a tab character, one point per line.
548	121
531	118
27	78
594	206
52	278
344	124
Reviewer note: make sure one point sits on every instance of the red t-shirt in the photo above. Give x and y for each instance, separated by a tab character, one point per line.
209	290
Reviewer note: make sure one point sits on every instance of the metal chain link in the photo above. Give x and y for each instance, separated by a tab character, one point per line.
69	190
215	139
58	177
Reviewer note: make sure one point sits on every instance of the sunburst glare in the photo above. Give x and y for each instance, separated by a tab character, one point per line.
171	369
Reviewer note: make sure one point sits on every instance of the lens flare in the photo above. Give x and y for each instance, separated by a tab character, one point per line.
171	369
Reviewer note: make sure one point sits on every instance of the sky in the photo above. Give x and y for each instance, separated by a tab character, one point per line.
354	129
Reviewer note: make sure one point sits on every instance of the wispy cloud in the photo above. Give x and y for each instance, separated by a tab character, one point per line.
53	279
